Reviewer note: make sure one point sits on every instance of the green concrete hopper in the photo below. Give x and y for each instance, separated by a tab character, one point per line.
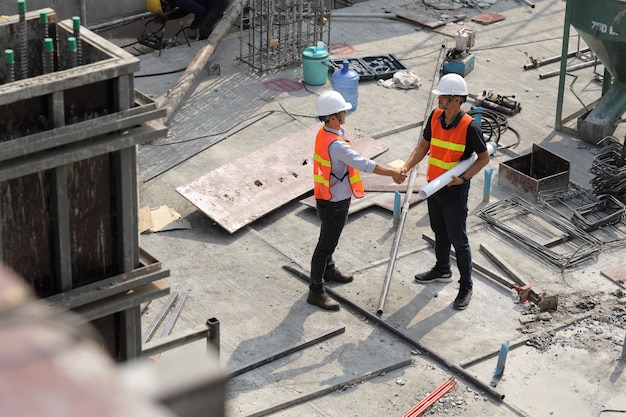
602	25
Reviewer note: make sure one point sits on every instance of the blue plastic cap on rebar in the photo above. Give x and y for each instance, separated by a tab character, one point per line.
21	6
71	44
76	22
43	17
9	56
48	45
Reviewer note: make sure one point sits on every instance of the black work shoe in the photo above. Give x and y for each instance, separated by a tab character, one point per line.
192	34
462	300
335	275
322	300
434	275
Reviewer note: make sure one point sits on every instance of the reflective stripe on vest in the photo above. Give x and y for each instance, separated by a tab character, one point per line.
445	154
322	168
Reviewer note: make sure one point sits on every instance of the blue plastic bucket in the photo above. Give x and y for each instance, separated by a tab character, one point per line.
315	66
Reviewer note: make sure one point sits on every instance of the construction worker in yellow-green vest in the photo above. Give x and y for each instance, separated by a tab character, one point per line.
450	136
336	179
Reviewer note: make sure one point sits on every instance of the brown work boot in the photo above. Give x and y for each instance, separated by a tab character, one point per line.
334	275
321	299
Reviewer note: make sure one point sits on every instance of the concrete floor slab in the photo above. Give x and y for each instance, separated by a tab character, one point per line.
239	278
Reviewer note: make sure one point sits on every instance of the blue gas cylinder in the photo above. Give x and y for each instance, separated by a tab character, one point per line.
346	81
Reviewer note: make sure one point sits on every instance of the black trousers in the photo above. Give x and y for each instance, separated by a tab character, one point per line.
447	209
333	216
198	7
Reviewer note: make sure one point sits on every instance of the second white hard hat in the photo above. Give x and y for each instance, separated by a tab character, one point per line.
331	102
451	85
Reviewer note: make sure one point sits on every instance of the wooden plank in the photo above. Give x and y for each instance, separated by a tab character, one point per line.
87	129
238	193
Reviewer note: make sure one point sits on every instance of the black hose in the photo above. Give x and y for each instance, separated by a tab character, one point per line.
494	124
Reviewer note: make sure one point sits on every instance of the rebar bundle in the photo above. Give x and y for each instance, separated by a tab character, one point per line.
538	231
275	32
602	217
609	170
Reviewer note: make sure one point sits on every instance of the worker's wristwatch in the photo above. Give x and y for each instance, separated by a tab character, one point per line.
464	179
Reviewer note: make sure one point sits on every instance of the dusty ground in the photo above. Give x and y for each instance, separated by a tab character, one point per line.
564	363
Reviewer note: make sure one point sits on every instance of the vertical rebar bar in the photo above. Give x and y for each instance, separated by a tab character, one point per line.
48	56
72	59
43	21
79	46
9	60
23	38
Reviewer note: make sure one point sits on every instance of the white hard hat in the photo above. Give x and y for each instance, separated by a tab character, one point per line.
451	85
331	102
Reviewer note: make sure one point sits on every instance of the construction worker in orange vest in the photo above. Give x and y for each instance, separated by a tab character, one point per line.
450	135
336	179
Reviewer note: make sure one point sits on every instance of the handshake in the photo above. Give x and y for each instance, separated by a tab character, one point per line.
399	175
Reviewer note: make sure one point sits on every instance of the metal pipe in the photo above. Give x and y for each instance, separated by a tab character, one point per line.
213	341
539	62
333	388
570	68
529	3
174	317
119	22
407	198
288	351
430	353
83	11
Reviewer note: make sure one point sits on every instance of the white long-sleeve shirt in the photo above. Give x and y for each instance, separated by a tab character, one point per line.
342	156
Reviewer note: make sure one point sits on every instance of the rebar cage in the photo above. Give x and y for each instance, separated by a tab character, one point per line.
273	33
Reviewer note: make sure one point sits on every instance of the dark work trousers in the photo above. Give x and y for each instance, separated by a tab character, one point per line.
447	209
198	7
333	216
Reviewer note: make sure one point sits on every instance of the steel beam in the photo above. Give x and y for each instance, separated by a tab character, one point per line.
120	302
105	144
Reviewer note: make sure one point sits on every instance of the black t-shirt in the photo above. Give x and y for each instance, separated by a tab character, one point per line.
474	141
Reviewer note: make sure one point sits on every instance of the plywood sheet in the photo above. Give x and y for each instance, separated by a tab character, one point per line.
238	193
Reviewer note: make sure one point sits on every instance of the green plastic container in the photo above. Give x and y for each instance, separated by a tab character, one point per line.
315	65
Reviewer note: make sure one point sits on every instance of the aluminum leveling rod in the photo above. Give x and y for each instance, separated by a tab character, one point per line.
407	195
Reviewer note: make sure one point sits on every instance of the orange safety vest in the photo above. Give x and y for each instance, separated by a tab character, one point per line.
446	153
322	167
